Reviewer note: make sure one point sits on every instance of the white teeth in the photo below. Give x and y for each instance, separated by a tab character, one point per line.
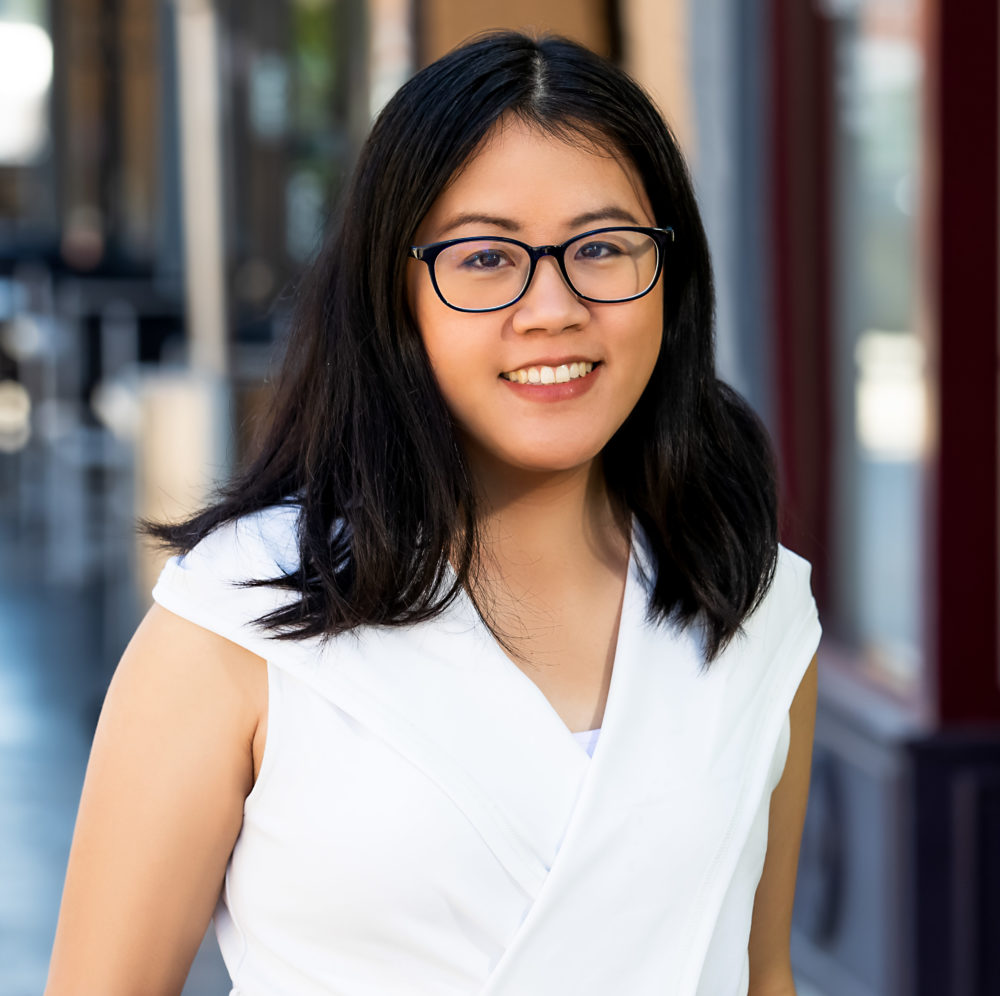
549	375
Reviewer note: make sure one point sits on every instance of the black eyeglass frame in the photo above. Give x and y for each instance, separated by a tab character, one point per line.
429	253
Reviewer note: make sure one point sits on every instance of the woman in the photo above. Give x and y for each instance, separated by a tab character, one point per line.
504	512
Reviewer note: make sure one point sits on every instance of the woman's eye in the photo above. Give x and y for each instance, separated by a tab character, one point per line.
598	250
486	259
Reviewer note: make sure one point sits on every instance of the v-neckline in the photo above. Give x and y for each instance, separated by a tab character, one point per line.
630	591
445	696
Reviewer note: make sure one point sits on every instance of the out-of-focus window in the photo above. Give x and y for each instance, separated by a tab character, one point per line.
26	68
319	114
298	101
880	341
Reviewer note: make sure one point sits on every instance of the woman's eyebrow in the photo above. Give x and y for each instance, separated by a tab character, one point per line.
609	213
478	218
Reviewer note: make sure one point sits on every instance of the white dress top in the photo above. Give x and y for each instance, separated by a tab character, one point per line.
425	823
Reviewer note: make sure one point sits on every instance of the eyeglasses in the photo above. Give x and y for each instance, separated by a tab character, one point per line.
490	272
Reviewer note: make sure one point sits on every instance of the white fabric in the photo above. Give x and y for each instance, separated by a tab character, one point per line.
424	823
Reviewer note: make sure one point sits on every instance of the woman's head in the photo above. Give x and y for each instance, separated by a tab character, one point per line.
447	114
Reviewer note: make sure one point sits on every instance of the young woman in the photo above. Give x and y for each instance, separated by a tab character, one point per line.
504	513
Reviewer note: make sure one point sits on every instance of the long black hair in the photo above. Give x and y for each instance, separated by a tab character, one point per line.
360	437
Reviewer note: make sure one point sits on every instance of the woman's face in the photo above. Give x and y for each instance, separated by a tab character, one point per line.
542	191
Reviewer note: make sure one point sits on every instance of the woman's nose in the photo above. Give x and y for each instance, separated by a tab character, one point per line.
549	304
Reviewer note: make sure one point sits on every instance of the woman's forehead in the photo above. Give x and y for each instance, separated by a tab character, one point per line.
522	173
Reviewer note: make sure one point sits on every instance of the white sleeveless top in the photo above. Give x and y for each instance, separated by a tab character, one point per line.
425	823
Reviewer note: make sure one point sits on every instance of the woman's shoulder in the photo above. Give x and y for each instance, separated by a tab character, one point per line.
776	642
252	546
792	579
213	584
785	625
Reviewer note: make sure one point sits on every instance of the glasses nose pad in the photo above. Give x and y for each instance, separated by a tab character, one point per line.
554	255
549	302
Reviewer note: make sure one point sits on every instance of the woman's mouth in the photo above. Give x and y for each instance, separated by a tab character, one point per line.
561	374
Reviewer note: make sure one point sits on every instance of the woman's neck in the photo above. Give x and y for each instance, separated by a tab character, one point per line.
550	582
550	524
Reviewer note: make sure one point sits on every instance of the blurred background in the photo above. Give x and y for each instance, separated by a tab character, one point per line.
166	167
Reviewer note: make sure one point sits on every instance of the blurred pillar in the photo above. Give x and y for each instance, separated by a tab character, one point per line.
179	457
391	50
963	166
656	52
182	445
141	151
201	183
83	123
443	24
798	236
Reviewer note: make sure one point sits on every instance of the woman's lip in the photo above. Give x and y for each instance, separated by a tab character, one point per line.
548	393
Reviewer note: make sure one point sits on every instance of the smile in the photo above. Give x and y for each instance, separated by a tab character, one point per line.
549	375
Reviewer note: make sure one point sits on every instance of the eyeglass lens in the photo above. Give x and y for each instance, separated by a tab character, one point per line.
486	273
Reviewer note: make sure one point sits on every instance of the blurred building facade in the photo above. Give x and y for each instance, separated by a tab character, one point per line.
166	167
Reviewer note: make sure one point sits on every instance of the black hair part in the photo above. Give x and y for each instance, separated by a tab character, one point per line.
360	437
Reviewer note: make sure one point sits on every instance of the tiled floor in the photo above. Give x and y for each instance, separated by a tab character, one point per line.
58	644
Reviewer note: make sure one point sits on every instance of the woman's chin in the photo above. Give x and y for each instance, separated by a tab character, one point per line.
546	461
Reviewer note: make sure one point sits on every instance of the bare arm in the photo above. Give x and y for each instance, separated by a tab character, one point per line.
770	963
172	762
